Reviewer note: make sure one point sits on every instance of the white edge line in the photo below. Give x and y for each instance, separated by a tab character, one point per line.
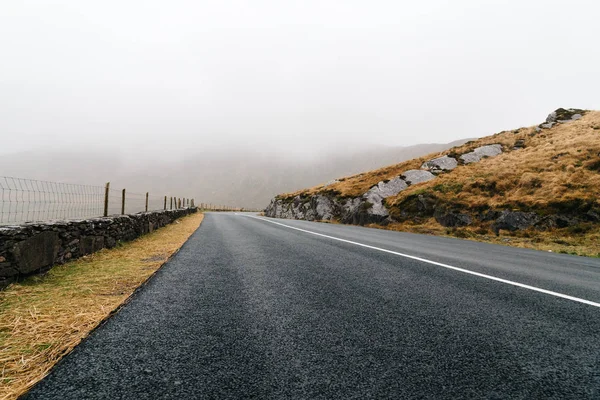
466	271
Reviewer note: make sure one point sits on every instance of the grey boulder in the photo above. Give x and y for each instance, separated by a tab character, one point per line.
452	219
383	189
323	208
444	163
515	220
476	155
414	176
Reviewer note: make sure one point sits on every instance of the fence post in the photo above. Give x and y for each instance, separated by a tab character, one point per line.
106	191
171	202
123	203
146	201
165	202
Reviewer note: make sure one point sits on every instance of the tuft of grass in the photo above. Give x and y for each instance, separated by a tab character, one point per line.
44	317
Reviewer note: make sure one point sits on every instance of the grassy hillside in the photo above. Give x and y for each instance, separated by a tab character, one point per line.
558	169
550	171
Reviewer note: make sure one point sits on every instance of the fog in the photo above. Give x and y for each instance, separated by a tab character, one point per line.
162	83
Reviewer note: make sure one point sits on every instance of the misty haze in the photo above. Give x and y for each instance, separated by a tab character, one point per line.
317	199
236	102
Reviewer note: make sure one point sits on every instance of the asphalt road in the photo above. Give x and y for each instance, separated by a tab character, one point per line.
252	309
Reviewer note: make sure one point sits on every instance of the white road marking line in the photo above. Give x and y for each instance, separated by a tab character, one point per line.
466	271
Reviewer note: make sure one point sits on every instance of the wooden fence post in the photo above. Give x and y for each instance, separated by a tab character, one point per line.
146	201
165	203
123	203
106	192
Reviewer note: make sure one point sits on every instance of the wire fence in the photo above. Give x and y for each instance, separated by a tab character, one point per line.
28	200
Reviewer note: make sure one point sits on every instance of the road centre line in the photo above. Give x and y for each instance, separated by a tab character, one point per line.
466	271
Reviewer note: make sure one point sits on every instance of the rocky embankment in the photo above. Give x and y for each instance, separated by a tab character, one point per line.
371	207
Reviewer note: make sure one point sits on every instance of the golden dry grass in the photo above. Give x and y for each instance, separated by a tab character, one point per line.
556	166
552	166
44	318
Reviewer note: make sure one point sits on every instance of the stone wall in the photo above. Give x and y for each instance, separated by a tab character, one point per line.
35	247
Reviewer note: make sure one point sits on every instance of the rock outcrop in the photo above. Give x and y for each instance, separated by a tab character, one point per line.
414	176
561	116
370	207
514	220
378	193
476	155
440	164
453	219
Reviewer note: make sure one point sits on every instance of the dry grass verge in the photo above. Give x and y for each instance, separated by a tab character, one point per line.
44	318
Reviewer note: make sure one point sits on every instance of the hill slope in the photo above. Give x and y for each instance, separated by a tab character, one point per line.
539	185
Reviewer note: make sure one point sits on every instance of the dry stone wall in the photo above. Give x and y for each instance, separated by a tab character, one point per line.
35	247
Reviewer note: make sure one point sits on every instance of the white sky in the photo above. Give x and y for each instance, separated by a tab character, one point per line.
297	76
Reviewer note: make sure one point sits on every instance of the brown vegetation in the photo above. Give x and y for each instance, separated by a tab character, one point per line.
564	160
551	171
556	170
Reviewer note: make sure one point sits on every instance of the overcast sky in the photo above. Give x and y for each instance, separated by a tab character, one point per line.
287	75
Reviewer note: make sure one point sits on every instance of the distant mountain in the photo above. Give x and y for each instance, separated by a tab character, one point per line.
227	176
